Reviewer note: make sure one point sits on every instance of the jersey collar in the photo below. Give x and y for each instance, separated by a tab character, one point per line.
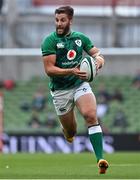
67	35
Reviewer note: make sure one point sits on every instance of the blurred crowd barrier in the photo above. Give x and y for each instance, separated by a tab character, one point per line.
109	23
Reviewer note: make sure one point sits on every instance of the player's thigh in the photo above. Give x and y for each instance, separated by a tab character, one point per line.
87	105
63	101
68	120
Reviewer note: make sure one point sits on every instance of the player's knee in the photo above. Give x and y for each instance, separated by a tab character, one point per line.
90	117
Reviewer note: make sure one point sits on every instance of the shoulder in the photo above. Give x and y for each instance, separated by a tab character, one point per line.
84	38
49	37
86	41
48	45
80	34
49	41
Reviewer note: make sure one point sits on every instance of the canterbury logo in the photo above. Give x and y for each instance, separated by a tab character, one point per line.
60	45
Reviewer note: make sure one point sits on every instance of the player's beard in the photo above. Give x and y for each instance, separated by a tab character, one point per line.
65	30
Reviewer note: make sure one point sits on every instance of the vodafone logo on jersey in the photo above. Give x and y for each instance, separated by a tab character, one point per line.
71	54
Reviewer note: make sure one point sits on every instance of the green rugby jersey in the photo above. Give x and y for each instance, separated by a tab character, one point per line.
69	50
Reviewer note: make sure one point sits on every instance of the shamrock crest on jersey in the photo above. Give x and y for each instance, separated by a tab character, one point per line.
78	42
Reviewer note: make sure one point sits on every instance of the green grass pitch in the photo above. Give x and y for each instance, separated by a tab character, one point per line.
68	166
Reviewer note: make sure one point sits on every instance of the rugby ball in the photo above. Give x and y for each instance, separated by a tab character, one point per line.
88	65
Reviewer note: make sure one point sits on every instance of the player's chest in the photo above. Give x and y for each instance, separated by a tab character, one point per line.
69	47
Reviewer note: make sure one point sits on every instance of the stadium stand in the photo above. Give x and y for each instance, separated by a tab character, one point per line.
15	117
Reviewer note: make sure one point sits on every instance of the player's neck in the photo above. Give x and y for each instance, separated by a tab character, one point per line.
64	35
68	34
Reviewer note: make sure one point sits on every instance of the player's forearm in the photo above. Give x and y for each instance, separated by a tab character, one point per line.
56	71
98	57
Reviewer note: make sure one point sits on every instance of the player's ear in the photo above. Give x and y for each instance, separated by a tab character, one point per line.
71	21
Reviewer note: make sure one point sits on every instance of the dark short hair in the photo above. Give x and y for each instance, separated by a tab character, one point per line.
65	10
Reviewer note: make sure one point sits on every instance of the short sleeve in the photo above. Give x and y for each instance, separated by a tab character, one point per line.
48	46
87	44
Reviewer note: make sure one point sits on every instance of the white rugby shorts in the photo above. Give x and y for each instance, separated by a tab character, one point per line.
64	100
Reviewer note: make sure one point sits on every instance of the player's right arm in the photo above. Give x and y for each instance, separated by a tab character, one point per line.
52	70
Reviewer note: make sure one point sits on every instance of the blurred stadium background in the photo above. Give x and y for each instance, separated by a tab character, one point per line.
114	27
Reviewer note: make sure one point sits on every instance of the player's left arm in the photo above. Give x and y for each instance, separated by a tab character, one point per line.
92	51
99	58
